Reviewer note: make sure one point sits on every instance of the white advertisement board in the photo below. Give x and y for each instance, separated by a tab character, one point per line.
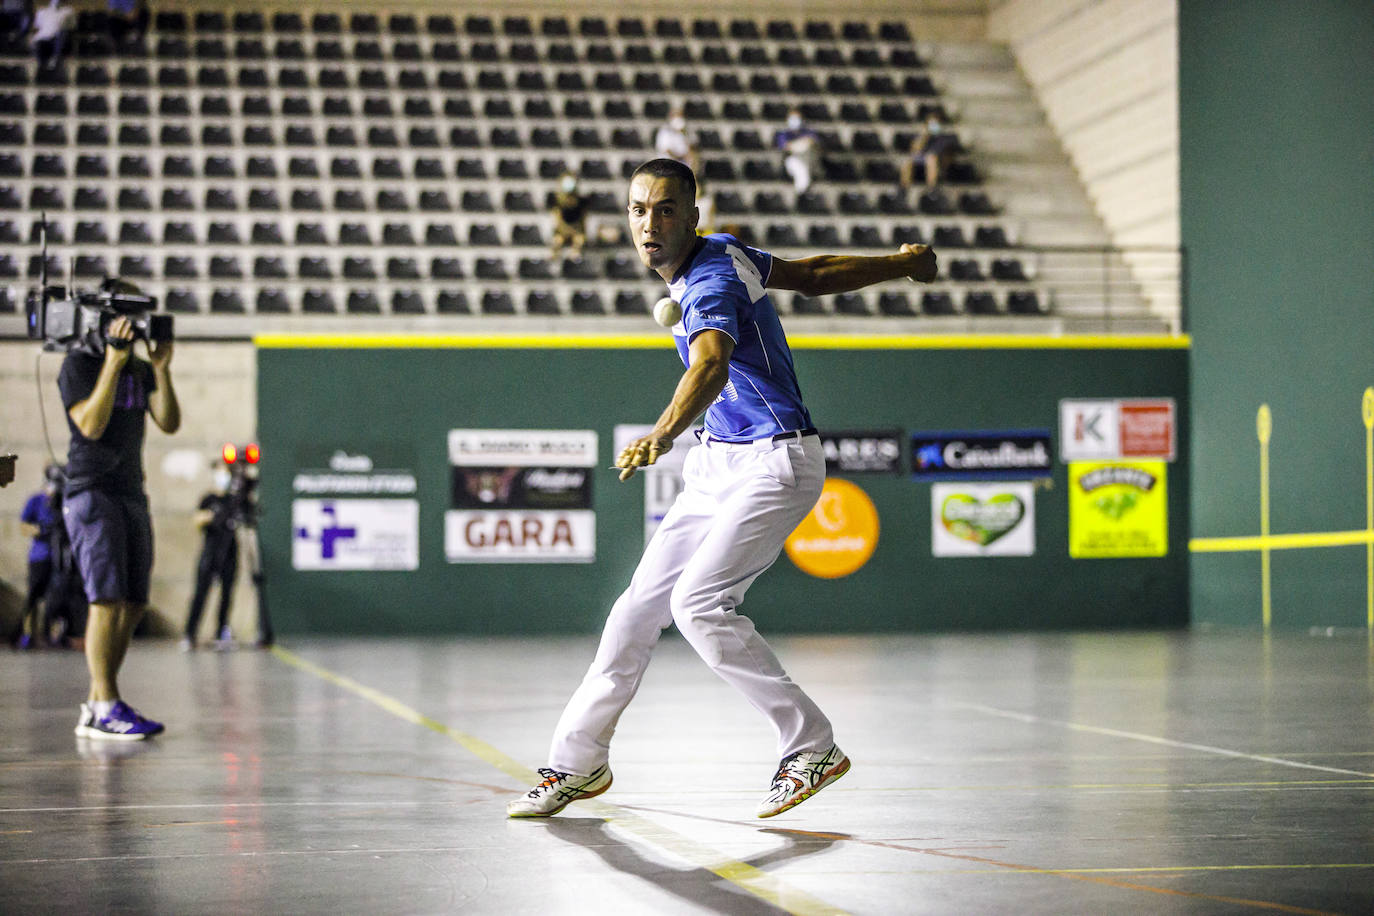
982	519
329	534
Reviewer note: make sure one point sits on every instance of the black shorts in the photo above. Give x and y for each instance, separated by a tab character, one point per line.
112	540
938	145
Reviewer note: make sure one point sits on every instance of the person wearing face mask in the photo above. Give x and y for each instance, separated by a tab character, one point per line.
801	148
932	147
219	560
569	216
673	142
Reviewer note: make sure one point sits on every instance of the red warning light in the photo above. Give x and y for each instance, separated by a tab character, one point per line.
251	453
229	453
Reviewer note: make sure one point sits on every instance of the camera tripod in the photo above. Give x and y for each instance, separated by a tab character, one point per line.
247	535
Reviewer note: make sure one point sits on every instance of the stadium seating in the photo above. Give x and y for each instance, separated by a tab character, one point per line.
330	161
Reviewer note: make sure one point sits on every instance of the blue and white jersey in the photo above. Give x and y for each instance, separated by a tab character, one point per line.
721	287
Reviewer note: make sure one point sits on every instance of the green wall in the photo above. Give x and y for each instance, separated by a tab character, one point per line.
399	404
1277	180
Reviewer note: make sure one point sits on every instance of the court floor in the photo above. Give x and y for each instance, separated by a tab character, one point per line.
1060	773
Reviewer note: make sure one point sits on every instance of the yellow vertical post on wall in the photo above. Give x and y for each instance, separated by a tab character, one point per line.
1367	411
1264	427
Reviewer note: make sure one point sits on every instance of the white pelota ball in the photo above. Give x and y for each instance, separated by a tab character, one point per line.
667	312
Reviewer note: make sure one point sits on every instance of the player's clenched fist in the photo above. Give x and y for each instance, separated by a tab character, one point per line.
640	453
923	262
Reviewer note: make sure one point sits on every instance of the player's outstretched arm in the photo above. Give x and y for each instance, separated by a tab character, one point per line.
826	274
699	386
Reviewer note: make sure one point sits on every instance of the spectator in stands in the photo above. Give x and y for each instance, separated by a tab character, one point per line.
15	17
37	521
569	216
50	33
128	22
801	147
673	142
933	147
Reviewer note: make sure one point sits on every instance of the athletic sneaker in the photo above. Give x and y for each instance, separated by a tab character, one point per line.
186	644
121	723
801	776
557	790
225	642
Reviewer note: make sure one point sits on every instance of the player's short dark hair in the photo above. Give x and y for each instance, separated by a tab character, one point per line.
669	168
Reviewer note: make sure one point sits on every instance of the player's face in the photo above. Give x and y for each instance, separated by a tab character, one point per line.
663	222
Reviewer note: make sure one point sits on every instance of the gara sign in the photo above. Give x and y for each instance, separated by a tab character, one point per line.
521	496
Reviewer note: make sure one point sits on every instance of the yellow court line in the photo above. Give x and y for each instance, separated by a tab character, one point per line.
743	875
1177	868
655	341
1000	867
1281	541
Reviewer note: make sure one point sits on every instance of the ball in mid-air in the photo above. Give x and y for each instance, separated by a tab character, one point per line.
667	312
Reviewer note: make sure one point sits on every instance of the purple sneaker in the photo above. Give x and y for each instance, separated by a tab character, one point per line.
120	724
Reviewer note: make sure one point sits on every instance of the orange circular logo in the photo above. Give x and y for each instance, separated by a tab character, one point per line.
839	534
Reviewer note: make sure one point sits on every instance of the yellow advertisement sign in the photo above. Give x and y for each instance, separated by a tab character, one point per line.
839	535
1118	509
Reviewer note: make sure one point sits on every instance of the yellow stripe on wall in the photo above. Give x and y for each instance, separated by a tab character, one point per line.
1281	541
661	340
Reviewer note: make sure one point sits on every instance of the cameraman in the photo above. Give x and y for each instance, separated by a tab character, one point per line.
217	517
105	509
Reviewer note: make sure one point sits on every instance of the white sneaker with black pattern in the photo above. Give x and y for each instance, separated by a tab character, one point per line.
801	776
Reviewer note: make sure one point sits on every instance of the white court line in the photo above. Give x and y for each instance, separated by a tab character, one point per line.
300	804
1152	739
244	854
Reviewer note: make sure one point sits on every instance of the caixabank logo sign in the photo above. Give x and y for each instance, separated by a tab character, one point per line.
981	455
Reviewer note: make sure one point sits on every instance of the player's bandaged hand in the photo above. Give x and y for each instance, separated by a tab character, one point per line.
640	453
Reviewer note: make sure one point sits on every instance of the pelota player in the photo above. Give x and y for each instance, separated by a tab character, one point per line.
757	475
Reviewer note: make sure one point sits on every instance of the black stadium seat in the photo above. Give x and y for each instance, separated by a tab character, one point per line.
363	301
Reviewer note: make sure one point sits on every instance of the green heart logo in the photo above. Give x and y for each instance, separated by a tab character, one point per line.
979	521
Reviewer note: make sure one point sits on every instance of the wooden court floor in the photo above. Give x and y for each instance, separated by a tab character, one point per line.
1063	773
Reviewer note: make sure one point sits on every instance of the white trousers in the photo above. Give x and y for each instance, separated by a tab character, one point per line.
728	525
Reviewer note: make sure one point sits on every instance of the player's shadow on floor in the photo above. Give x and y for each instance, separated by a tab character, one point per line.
695	885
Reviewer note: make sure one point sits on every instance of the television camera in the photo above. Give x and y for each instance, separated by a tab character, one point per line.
65	318
240	509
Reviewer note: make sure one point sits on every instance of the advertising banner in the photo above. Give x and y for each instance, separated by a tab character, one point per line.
335	534
839	534
863	451
355	474
982	519
521	496
1011	455
1103	428
1118	509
